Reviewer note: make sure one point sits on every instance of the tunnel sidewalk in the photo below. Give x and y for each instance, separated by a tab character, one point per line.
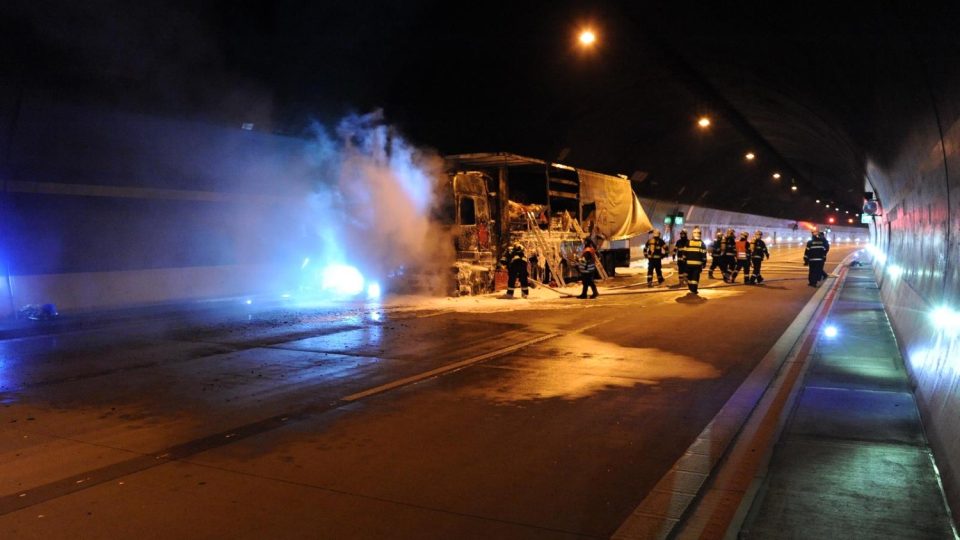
852	460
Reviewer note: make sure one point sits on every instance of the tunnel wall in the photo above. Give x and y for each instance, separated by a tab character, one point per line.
918	236
103	209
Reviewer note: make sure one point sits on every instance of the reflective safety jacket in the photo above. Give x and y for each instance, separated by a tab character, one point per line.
515	257
589	264
743	249
717	248
655	248
816	251
678	248
729	246
758	249
695	252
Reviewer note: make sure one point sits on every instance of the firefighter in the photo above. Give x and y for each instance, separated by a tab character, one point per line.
695	255
516	263
654	250
742	258
758	250
716	251
728	258
826	249
680	256
814	257
588	268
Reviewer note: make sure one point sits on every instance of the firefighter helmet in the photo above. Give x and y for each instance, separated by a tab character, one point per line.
656	233
683	232
743	234
758	233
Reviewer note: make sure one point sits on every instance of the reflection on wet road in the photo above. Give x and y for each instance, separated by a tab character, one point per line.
549	421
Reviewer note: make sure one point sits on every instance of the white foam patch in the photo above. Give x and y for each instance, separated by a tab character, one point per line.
586	366
544	299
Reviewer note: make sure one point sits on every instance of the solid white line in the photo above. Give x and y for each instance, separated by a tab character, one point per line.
447	368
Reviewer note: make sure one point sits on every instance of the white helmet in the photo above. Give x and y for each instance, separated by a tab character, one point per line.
656	233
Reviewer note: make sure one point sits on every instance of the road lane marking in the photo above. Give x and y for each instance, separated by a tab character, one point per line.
446	369
26	498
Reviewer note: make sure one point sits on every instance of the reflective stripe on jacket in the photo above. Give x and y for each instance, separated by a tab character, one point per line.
695	253
815	251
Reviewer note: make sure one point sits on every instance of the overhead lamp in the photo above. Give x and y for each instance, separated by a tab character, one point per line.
793	187
818	201
776	176
703	122
587	37
750	156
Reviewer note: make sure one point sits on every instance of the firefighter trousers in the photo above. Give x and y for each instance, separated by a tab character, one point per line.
515	272
755	276
654	265
741	264
728	264
815	273
682	270
587	280
693	277
715	263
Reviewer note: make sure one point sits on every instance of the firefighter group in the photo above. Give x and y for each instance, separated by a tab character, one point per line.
730	254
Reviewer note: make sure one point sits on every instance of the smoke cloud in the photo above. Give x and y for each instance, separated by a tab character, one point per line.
372	203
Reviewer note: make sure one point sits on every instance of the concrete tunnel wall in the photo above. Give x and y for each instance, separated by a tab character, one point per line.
918	235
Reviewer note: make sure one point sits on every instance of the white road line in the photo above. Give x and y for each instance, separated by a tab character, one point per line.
467	362
447	368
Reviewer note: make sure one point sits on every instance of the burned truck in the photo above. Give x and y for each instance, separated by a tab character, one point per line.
499	199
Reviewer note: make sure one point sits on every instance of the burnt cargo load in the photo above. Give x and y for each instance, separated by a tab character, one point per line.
500	199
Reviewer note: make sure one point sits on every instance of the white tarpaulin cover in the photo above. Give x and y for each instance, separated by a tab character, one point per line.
619	215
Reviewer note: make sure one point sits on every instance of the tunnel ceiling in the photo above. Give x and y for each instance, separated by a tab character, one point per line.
813	92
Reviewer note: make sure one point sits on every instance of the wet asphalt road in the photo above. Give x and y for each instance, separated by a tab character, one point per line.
375	423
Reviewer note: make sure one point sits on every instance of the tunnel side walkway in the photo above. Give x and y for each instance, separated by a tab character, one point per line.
852	460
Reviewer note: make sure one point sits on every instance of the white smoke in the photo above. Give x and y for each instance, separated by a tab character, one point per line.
371	208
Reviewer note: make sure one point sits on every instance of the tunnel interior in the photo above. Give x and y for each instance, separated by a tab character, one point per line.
831	100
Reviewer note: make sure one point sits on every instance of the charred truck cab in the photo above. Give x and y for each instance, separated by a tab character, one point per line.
499	199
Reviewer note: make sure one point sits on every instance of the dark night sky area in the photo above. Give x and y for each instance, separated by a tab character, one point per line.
802	89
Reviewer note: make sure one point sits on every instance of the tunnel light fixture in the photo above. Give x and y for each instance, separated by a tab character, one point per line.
703	122
793	187
818	201
776	176
946	320
849	220
587	37
750	156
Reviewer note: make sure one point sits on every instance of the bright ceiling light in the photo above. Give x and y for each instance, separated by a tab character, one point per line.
703	122
587	37
750	156
830	331
818	201
776	176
